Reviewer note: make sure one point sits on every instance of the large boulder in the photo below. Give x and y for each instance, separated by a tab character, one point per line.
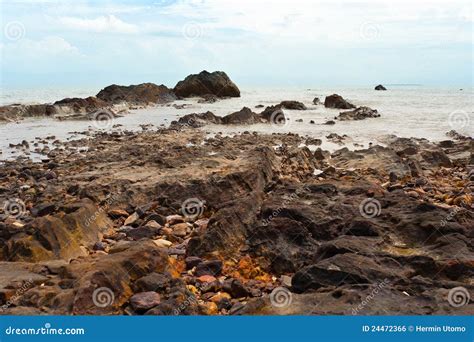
337	101
137	94
216	83
62	236
380	87
360	113
244	116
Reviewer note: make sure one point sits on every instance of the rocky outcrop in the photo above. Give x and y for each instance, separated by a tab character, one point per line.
336	101
245	116
205	83
359	113
79	105
196	120
216	225
63	236
295	105
145	93
380	87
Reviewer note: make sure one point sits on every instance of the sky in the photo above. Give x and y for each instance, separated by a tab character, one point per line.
279	43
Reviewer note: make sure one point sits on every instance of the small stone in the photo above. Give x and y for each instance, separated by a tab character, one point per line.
285	281
145	300
153	224
99	246
116	213
213	267
208	308
162	243
192	261
206	279
153	282
174	219
131	219
180	229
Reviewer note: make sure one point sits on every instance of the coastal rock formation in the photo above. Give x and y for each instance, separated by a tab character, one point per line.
380	87
144	93
360	113
79	105
336	101
243	116
191	224
295	105
205	83
198	120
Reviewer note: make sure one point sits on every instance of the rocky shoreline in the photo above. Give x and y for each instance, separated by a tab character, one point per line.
173	222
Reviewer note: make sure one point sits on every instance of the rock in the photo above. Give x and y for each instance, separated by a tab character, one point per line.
235	288
117	213
180	229
162	243
144	301
243	117
216	83
131	219
316	101
59	236
360	113
380	87
208	98
295	105
174	219
271	112
79	105
192	261
43	209
198	120
144	93
330	122
213	267
153	282
336	101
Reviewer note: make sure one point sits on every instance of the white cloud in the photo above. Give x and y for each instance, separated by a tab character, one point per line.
109	23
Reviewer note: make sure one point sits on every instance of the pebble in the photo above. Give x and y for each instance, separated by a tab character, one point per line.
145	300
162	243
131	219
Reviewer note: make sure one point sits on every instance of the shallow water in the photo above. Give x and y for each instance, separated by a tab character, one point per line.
406	111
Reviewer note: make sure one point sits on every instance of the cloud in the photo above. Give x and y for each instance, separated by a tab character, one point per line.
104	24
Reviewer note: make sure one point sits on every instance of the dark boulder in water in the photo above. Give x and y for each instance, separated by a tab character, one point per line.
380	87
205	83
337	101
137	94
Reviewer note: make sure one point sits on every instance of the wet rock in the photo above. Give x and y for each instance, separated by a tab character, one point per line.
216	83
336	101
360	113
244	116
380	87
136	94
294	105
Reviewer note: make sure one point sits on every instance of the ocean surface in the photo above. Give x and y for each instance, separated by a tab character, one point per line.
406	111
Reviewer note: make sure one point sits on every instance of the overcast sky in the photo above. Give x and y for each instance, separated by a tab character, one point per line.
297	42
